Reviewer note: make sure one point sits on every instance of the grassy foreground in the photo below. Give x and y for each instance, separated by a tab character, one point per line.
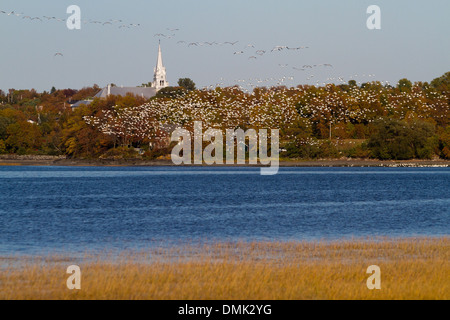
410	269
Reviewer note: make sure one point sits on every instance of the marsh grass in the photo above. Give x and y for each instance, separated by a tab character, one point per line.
410	269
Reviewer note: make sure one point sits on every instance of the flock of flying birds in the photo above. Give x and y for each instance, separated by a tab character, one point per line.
112	22
253	52
242	51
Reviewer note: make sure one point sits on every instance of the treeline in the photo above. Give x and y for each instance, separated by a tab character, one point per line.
408	121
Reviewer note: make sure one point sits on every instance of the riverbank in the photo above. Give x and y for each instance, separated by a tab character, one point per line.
410	269
15	160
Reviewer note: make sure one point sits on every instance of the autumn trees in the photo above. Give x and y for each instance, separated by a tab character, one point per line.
409	120
32	123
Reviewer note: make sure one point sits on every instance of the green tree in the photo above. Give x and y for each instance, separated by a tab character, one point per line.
444	144
186	83
404	85
2	146
352	83
4	123
399	140
442	83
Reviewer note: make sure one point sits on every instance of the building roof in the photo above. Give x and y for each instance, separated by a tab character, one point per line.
145	92
79	103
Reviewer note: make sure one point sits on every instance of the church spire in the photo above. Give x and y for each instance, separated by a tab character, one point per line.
159	62
159	80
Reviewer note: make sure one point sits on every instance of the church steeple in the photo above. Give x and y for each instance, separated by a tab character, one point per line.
159	79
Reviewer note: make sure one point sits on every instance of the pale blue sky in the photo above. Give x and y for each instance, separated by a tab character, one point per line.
414	41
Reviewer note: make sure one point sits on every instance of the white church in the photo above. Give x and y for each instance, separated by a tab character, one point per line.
159	82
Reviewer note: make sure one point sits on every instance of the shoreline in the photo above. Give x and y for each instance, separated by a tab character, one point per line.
8	160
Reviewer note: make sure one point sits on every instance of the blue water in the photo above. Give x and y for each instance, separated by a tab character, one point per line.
51	209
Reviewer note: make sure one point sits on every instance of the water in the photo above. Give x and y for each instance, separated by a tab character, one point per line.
74	209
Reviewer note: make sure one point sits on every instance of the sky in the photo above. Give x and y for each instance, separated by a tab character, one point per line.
413	42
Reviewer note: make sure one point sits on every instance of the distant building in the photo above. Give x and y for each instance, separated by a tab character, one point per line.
159	82
144	92
81	102
160	76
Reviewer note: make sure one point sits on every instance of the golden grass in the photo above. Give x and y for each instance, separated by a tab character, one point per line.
410	269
